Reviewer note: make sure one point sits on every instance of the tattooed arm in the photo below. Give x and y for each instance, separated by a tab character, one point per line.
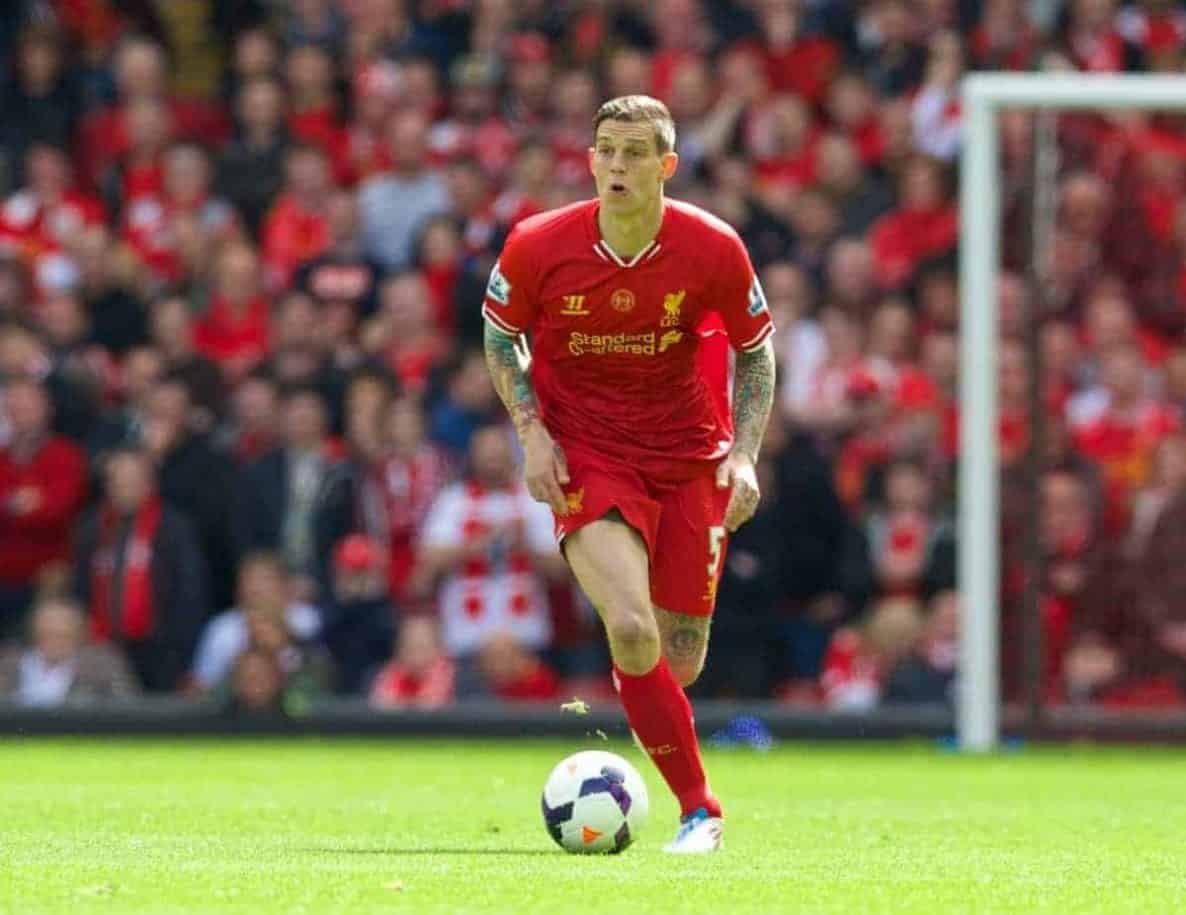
545	470
509	375
753	395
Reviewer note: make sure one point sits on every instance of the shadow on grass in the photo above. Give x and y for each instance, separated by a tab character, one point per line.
395	852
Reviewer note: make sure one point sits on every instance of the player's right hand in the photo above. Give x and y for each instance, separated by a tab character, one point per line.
545	469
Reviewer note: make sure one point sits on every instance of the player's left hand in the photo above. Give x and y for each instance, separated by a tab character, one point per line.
737	470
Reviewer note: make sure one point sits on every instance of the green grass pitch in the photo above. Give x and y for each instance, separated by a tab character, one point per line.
318	827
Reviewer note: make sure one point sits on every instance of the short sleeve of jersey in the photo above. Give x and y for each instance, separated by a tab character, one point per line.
740	299
510	303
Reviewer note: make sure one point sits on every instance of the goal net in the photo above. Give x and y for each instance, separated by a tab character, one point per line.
1072	481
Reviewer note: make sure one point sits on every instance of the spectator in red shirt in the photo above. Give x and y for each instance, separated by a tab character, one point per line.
405	482
861	658
363	149
141	75
140	168
1091	40
924	224
513	673
575	98
1122	439
404	333
796	61
438	255
297	229
42	488
45	219
530	187
313	107
783	138
175	231
852	110
1085	593
1005	39
682	31
474	127
234	330
420	674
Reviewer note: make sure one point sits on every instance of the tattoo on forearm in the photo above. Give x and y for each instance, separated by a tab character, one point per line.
510	379
753	396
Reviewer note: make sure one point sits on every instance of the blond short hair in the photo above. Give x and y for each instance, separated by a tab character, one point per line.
640	109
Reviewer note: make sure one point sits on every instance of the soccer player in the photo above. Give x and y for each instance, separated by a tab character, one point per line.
624	417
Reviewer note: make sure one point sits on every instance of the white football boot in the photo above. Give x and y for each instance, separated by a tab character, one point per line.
698	834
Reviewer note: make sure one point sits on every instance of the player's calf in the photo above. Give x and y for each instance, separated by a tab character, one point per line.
685	643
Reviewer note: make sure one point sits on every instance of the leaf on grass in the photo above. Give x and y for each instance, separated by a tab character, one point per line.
99	889
395	885
577	706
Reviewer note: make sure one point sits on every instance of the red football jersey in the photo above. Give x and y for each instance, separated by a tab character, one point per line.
624	362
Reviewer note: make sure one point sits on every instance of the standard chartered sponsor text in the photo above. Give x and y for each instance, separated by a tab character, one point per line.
580	344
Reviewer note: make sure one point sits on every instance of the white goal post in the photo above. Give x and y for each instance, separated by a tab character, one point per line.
984	96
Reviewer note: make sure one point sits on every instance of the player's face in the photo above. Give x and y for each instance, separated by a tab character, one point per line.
627	167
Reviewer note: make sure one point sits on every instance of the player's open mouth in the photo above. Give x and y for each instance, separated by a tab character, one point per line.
617	188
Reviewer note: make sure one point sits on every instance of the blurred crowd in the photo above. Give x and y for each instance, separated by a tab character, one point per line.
249	447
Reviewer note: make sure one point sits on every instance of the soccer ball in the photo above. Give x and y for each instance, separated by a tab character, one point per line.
594	802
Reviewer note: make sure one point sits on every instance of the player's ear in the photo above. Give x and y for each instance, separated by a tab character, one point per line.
670	163
592	153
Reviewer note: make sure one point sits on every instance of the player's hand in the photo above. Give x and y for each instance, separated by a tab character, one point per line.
737	470
545	469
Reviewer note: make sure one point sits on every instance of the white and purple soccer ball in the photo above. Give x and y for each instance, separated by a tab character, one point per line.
594	802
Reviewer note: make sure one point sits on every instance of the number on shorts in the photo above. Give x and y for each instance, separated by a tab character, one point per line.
716	536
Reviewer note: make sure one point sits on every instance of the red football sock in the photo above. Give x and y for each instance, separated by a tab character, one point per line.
661	716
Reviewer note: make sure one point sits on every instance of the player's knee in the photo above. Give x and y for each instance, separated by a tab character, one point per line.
632	629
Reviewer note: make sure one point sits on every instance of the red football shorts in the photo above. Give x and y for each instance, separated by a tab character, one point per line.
682	523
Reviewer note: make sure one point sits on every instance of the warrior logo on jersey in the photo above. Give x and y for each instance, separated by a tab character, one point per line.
574	306
498	288
757	299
